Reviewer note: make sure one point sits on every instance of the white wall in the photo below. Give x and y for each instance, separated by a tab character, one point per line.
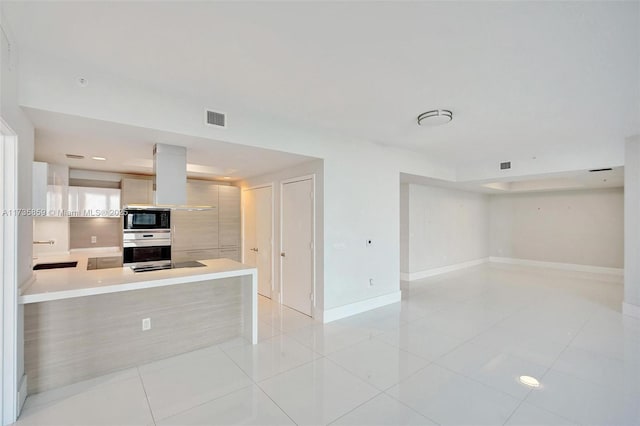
631	305
15	118
581	227
361	179
311	168
51	228
445	227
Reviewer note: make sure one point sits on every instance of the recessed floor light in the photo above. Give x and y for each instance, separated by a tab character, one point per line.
530	381
99	158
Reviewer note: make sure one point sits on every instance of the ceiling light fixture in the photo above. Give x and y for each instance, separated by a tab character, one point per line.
530	381
99	158
435	117
226	177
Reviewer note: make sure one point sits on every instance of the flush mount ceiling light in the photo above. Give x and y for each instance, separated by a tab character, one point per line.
530	381
99	158
435	117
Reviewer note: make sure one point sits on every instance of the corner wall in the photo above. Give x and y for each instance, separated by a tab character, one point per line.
441	229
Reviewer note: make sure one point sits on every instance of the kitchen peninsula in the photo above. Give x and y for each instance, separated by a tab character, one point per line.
81	324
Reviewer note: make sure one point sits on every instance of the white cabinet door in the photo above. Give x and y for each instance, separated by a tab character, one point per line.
50	187
94	202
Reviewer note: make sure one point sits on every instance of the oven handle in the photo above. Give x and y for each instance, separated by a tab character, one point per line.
147	243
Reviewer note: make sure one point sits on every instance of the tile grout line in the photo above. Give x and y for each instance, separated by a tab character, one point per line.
153	418
260	387
544	374
204	402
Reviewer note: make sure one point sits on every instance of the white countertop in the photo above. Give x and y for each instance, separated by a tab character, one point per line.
66	283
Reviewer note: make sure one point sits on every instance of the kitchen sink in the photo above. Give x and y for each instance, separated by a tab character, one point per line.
55	265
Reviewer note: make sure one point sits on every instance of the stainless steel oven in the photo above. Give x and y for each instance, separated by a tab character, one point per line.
146	218
147	248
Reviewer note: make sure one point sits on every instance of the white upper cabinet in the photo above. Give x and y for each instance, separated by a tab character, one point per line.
50	188
94	202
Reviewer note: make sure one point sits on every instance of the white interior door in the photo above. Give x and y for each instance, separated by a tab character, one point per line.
258	233
297	245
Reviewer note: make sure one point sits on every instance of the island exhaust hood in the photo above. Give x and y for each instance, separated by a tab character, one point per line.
170	178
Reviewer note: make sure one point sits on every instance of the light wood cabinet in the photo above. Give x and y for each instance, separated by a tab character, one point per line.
229	216
196	229
230	253
209	233
188	255
202	194
136	191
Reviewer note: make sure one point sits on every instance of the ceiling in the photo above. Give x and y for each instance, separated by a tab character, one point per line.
574	180
522	78
129	149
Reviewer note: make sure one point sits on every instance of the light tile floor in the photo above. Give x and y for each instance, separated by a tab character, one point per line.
450	353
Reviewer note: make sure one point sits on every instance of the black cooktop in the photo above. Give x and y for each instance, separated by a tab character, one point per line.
174	265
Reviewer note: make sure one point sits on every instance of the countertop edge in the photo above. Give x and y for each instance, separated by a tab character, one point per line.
138	285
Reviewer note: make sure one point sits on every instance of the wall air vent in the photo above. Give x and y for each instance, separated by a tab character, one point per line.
217	119
600	170
505	165
74	156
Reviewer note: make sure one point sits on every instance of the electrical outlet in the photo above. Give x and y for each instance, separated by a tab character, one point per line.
146	324
94	239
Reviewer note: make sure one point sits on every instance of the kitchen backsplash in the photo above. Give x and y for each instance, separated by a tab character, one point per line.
107	232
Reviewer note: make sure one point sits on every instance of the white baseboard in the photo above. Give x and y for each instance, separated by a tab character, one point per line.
404	276
22	393
631	310
558	265
359	307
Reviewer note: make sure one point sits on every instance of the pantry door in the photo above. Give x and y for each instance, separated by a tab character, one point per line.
258	235
297	240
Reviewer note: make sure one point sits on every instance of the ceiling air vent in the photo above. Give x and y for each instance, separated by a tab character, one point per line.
600	170
75	156
505	165
216	119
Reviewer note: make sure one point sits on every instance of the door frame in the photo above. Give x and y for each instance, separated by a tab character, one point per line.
8	271
243	216
312	177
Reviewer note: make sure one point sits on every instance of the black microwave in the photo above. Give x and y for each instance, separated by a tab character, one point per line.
147	218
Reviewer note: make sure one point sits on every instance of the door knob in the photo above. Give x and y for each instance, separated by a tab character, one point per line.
282	254
254	249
